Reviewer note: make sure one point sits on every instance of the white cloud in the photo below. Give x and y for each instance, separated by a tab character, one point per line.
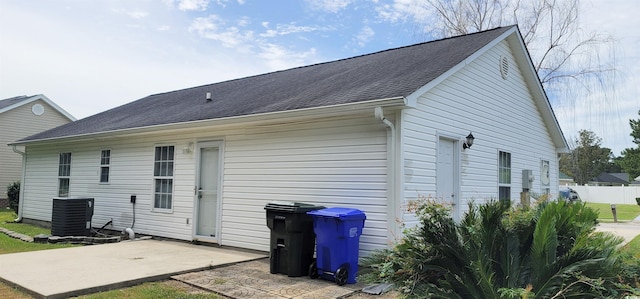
188	5
332	6
137	14
364	36
277	57
402	11
213	27
164	28
284	29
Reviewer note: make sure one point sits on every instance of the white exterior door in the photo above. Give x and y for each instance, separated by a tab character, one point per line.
447	175
207	195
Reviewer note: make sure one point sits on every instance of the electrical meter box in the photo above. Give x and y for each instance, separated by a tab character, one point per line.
527	179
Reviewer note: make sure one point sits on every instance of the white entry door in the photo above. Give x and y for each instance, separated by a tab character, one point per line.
207	182
447	175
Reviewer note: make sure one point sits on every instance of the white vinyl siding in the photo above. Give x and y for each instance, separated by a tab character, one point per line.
498	112
338	163
331	162
19	123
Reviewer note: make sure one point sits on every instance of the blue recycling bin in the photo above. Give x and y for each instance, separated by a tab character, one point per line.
338	233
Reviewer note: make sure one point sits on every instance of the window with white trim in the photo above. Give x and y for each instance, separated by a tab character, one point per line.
105	165
163	177
64	174
504	175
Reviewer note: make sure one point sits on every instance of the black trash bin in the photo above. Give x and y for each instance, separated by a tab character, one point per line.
292	238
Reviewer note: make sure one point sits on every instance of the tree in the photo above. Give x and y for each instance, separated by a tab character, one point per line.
551	31
630	160
587	160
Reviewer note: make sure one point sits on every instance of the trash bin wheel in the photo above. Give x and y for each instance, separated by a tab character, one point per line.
313	270
341	275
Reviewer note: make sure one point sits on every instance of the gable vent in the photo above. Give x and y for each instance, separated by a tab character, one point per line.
504	67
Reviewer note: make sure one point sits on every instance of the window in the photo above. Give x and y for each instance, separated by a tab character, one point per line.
64	174
504	175
163	177
105	163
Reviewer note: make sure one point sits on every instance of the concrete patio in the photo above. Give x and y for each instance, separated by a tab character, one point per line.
61	273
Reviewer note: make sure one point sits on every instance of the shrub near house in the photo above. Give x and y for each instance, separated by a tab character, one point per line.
13	196
497	251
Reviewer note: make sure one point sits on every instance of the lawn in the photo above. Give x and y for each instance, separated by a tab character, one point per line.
624	212
633	247
11	245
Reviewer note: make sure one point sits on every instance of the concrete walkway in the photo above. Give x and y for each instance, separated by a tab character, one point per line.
627	230
253	280
65	272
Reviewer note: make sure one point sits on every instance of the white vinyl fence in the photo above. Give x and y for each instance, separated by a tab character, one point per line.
608	194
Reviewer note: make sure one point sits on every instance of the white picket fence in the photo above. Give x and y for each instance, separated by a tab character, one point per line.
608	194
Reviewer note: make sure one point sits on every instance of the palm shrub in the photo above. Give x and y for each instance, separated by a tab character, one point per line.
496	251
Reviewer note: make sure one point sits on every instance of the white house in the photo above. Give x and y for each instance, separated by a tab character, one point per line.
369	132
20	117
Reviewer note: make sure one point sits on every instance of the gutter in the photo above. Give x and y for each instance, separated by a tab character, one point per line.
21	196
393	183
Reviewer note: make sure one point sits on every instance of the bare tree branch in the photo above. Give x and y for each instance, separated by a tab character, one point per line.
550	29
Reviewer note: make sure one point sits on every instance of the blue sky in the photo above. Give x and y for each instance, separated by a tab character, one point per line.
89	56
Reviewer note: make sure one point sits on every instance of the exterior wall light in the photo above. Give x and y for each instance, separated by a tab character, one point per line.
469	142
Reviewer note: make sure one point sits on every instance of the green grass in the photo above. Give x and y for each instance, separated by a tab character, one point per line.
633	247
11	245
624	212
150	290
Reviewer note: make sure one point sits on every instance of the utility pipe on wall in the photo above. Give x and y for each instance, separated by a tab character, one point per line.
394	188
21	199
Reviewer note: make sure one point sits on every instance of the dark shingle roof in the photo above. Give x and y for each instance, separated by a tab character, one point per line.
11	101
616	178
392	73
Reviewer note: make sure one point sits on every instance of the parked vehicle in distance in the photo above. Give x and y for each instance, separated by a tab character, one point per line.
569	194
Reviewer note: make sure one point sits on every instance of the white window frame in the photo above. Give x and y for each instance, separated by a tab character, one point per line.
104	165
64	173
505	173
161	175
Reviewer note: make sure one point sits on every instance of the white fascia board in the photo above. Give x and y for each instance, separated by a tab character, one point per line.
43	98
334	110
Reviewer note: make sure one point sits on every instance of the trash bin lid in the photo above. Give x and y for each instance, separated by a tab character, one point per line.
290	206
342	213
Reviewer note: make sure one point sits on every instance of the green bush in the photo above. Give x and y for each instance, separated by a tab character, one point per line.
496	251
13	194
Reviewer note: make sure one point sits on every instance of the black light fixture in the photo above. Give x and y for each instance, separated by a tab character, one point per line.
467	144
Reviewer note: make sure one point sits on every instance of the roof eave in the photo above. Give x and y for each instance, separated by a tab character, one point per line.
341	109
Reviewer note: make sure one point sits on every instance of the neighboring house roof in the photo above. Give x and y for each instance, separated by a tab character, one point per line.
15	102
615	178
390	74
564	176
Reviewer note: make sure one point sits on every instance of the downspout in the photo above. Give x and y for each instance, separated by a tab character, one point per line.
21	199
394	188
